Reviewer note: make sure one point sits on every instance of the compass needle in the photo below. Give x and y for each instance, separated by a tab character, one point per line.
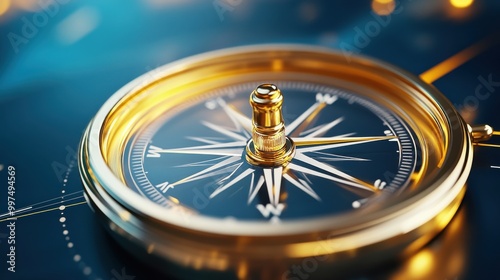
216	166
232	182
303	186
299	124
344	178
237	117
254	189
337	141
224	131
324	128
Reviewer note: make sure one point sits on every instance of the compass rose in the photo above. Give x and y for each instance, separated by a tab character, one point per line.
262	148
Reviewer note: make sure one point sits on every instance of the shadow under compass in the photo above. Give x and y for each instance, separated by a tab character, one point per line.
443	258
122	265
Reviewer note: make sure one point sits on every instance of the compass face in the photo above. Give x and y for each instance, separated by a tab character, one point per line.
260	156
348	150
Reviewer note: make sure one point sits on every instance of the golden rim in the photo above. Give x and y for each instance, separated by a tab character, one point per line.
437	187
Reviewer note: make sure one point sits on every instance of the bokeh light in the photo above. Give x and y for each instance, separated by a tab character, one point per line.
383	7
421	264
461	3
4	6
29	5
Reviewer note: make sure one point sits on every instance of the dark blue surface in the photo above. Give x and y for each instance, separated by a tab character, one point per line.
50	87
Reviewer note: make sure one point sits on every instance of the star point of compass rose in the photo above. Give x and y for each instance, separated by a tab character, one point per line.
312	158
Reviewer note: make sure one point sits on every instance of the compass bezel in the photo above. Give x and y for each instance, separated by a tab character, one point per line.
447	153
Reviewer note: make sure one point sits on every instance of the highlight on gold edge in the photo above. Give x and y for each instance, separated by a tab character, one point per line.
248	162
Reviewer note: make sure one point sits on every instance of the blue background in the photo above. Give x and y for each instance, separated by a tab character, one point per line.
60	60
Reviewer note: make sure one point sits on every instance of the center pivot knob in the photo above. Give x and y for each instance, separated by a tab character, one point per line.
269	145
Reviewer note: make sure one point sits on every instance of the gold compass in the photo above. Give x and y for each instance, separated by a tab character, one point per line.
276	162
